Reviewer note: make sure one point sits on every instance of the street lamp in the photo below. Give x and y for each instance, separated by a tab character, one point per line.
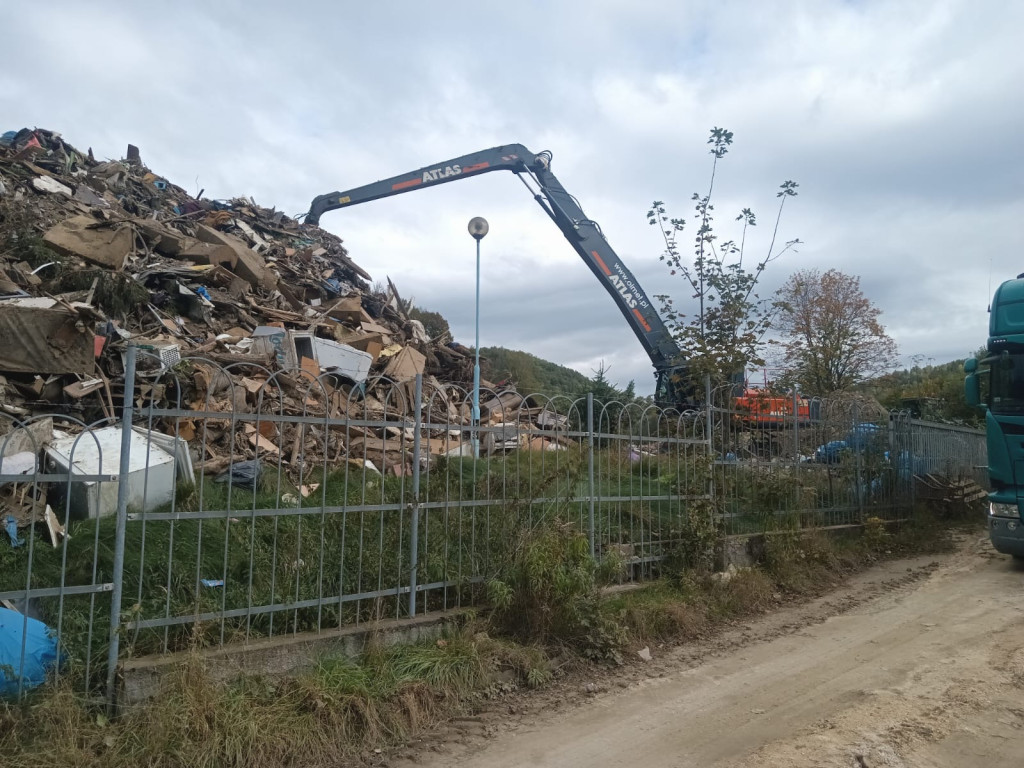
478	229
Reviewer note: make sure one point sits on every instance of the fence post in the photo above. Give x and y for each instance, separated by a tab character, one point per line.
710	442
120	524
414	555
910	442
894	495
590	472
859	447
709	433
796	447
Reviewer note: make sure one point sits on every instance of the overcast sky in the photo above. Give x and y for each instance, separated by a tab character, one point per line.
901	121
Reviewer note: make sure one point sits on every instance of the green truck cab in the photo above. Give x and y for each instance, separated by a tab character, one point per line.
996	384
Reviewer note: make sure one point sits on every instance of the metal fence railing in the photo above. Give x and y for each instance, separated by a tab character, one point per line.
246	503
787	461
948	450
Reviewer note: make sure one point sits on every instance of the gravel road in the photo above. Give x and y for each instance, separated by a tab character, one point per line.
914	663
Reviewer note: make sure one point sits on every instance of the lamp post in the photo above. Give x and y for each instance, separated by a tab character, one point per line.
478	229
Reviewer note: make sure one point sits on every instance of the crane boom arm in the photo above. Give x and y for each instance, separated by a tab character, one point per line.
583	234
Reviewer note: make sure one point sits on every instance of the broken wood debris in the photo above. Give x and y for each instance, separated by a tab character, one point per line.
235	308
952	492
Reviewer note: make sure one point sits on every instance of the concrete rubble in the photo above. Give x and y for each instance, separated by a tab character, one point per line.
95	255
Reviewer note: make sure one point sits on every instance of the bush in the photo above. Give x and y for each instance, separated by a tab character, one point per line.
695	542
547	592
876	537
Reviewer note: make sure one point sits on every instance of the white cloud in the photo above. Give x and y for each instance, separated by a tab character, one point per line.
899	121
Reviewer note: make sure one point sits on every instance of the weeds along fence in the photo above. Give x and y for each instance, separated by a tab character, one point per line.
259	504
783	462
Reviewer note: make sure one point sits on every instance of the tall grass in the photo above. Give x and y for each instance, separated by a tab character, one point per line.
482	516
336	711
340	709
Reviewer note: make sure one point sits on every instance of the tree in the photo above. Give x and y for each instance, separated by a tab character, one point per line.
932	392
433	322
831	339
531	374
610	402
727	331
600	385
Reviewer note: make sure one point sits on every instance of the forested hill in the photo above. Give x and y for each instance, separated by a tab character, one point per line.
934	392
929	391
530	373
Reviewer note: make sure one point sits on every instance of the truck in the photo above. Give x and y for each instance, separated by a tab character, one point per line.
996	384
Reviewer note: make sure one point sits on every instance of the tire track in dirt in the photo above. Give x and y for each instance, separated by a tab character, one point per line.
912	663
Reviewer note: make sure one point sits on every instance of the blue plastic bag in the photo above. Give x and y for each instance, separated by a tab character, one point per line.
40	652
11	527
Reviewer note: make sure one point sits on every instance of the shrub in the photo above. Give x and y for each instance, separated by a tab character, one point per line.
547	592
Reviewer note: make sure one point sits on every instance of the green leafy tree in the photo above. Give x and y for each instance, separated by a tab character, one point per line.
609	400
727	331
433	322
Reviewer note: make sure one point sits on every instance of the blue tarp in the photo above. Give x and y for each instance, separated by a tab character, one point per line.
40	652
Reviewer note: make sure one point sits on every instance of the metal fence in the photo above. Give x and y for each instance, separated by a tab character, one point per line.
245	503
787	461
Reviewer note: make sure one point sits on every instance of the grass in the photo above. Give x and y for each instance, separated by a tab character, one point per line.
482	506
686	605
341	710
757	497
658	612
286	558
688	608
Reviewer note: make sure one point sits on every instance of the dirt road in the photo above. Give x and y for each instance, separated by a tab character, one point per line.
916	663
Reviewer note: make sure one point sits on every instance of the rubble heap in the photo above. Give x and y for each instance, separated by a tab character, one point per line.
96	254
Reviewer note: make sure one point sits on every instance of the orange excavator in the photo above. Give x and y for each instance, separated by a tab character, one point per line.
765	408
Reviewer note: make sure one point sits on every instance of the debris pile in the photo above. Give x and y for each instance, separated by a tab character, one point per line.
949	494
96	254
